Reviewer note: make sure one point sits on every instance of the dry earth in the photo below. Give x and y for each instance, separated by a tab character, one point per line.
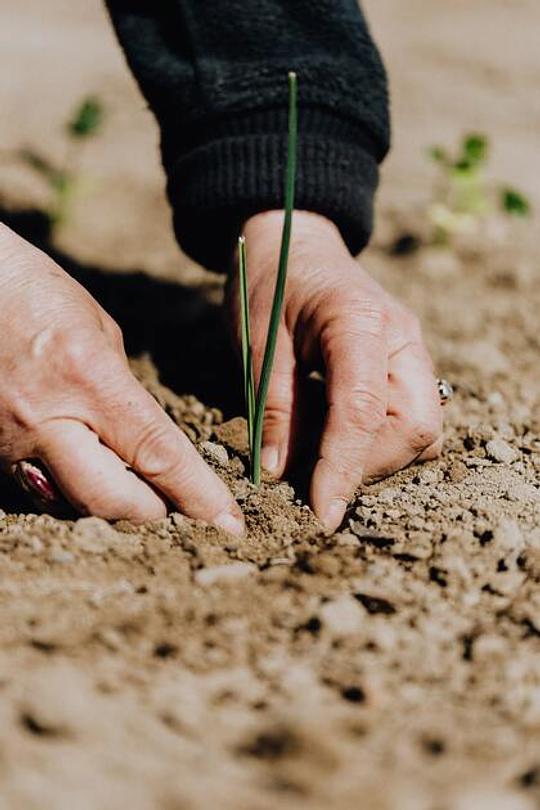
394	665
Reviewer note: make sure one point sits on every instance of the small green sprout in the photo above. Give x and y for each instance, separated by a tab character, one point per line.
463	197
63	181
247	359
256	402
514	203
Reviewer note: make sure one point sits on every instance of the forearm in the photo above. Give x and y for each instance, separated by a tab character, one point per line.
214	74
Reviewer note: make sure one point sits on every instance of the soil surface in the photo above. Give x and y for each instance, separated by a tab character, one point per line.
393	665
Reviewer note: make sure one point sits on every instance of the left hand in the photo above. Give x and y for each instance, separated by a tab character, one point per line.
383	408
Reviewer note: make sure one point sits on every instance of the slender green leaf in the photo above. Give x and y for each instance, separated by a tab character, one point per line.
279	292
247	357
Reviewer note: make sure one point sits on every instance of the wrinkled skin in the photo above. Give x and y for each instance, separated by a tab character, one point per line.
383	408
68	398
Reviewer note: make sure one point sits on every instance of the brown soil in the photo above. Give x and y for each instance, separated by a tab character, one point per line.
393	665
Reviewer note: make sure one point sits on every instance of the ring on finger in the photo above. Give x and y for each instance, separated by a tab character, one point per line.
446	392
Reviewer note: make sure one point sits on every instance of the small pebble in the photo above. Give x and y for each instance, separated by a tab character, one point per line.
500	451
230	572
495	400
57	701
179	520
429	476
456	472
285	491
346	539
35	545
388	495
523	492
94	535
508	538
217	452
342	616
237	465
61	556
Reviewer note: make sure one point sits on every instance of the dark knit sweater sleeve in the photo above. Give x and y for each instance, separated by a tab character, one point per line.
214	72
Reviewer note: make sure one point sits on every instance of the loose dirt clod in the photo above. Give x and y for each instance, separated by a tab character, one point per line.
499	450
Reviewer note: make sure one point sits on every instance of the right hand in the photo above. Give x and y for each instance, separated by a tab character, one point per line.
68	398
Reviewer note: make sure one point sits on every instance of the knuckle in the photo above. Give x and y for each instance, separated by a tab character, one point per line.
373	316
78	355
433	452
115	333
423	434
363	410
275	416
369	315
17	415
352	322
156	454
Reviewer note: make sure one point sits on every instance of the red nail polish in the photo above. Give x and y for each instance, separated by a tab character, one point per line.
34	481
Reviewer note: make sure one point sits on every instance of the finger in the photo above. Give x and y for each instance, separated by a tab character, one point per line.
413	427
355	358
132	423
280	406
92	477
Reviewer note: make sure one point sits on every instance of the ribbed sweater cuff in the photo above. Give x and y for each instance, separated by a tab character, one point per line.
237	170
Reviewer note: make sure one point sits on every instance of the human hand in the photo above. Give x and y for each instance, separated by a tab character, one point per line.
68	398
383	408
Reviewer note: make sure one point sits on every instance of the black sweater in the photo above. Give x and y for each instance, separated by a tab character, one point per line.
214	72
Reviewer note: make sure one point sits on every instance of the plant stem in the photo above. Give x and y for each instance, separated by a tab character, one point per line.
279	292
247	359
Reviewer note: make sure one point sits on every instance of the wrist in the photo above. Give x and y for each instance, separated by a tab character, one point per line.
305	224
311	232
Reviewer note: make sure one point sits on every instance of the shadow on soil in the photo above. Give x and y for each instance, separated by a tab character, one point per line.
184	333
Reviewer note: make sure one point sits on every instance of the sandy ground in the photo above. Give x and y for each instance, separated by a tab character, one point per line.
391	666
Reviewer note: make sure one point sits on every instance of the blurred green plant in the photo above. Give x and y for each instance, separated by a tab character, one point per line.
64	181
463	196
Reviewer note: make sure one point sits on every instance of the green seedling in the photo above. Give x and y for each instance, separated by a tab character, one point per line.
256	398
64	181
464	197
247	359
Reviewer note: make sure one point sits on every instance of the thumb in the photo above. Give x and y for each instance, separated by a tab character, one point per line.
278	415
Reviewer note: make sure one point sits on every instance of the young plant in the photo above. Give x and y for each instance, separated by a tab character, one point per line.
247	359
256	398
64	181
464	197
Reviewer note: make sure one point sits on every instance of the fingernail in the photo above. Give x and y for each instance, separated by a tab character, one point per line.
35	482
270	458
334	513
230	523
